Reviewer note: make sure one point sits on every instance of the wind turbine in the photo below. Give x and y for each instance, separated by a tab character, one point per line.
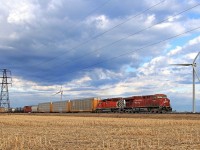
61	95
194	72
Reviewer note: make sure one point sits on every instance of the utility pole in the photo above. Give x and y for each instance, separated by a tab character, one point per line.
6	80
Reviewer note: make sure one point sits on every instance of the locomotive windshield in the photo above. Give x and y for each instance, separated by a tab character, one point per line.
162	96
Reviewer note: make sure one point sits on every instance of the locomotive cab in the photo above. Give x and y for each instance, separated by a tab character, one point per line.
164	102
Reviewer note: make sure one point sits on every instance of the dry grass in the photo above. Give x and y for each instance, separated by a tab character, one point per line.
68	132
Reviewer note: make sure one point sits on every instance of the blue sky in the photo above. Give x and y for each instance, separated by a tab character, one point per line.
99	48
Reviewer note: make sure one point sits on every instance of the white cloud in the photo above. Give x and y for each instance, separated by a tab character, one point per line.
101	21
105	74
190	56
5	47
53	5
175	51
81	81
150	20
28	86
151	67
173	18
163	25
14	36
172	27
194	41
20	12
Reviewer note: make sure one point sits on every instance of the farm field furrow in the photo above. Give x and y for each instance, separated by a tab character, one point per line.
106	131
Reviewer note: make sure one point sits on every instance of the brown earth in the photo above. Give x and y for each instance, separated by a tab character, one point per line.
99	131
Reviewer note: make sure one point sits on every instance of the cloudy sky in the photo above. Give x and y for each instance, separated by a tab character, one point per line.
103	48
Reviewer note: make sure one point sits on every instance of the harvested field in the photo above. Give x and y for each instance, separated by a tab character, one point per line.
99	131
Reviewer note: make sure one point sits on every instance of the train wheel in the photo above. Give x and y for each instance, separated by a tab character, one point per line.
128	111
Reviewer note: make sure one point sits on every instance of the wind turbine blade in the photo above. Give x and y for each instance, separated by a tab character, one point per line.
196	74
196	57
56	93
181	64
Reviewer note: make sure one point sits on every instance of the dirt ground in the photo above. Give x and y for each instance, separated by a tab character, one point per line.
99	131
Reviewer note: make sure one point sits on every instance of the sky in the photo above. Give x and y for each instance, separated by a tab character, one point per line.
104	48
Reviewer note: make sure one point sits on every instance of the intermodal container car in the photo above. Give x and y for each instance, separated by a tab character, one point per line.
60	106
34	109
45	107
84	105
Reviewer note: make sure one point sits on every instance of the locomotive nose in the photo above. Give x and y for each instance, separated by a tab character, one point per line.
166	102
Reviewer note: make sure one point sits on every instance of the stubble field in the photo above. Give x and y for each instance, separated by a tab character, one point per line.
103	131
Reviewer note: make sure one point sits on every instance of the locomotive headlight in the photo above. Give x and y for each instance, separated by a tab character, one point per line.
165	101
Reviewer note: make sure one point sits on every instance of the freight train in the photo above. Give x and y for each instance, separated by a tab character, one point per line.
158	103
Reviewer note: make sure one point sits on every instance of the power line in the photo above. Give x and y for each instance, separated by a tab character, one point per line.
88	14
124	38
134	34
94	37
97	36
148	45
31	92
108	31
146	29
101	6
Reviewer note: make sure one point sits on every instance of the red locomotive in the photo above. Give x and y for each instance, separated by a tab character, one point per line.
158	103
27	109
111	105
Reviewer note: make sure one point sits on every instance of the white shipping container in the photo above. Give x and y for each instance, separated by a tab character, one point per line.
45	107
34	108
60	106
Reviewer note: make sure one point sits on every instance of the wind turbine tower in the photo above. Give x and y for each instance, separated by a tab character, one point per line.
194	73
61	95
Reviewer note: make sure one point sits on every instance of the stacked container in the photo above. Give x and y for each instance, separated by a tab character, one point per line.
45	107
34	109
60	106
84	105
